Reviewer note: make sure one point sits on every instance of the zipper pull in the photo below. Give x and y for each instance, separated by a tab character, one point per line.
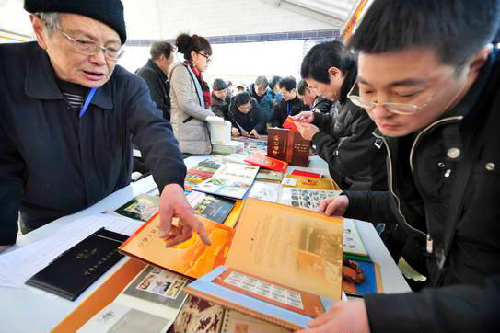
429	244
447	173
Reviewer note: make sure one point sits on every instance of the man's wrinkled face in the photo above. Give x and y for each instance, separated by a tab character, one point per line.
221	94
414	77
71	65
260	89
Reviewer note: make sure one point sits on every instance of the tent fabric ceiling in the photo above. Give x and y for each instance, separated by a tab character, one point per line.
336	12
161	19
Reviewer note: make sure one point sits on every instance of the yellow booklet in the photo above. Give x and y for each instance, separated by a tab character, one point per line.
309	183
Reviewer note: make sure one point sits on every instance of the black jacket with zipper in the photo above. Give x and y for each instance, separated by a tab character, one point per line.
157	83
345	141
444	190
53	163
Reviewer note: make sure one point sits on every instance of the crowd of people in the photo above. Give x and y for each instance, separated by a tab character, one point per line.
405	115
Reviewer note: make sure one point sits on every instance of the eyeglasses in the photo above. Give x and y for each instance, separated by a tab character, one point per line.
91	47
398	108
206	57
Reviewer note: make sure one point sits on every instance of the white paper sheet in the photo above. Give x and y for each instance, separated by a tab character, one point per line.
17	266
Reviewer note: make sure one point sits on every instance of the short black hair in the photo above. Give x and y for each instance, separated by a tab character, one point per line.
186	44
242	99
301	87
454	29
322	57
160	47
274	81
289	83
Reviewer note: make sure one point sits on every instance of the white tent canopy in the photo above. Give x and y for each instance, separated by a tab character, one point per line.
164	19
246	20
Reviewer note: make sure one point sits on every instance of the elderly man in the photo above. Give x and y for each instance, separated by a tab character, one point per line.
67	117
155	73
264	95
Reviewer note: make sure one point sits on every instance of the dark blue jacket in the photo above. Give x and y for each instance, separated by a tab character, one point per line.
51	162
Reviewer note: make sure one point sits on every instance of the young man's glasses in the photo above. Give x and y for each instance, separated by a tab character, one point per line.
91	47
399	108
205	56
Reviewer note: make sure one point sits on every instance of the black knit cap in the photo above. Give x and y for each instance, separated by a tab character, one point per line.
109	12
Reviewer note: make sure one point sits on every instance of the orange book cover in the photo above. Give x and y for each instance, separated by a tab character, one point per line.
267	162
282	259
191	258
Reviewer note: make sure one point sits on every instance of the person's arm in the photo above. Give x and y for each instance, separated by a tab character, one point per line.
372	206
277	115
156	91
347	152
11	187
162	155
458	308
260	125
154	137
323	121
181	84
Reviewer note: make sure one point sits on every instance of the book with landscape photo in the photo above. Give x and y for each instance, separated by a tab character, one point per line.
231	180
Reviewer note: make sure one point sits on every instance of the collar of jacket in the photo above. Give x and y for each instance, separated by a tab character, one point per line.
349	81
40	82
157	69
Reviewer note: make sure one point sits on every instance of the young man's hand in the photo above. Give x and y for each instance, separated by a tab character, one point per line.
307	130
336	205
304	116
173	203
345	317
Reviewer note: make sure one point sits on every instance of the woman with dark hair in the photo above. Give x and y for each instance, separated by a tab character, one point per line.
246	116
190	96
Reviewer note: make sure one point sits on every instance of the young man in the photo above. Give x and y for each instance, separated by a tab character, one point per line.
246	116
67	120
290	105
310	98
155	73
429	80
342	137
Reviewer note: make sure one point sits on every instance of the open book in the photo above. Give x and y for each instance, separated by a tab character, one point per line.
292	247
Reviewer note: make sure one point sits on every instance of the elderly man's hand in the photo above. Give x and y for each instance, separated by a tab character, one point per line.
235	132
306	130
173	203
305	116
345	317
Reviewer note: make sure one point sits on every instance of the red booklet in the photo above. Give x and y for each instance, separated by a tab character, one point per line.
266	162
304	173
290	124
